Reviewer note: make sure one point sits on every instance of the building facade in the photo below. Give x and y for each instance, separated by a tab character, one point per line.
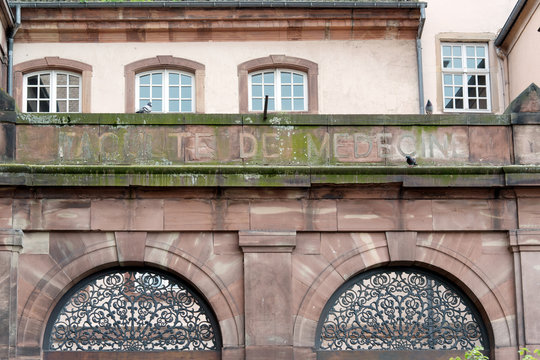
264	208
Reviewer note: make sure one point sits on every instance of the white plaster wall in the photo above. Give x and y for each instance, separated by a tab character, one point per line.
368	77
480	18
524	58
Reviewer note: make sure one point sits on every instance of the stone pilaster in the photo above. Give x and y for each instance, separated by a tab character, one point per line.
268	293
10	246
525	245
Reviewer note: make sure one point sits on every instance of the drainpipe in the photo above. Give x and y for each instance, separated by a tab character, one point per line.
419	58
11	36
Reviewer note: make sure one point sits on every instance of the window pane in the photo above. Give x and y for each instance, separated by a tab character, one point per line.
73	80
286	104
174	79
481	79
61	106
472	92
459	91
186	92
285	91
457	63
459	103
257	104
482	92
470	63
471	80
144	92
43	93
44	106
481	63
33	80
269	78
156	79
447	51
31	92
61	93
186	105
447	79
269	90
142	103
271	105
174	92
157	105
45	79
457	50
256	90
156	92
480	51
458	80
447	62
285	77
144	80
470	51
74	106
482	104
256	79
448	91
174	105
31	106
73	93
298	79
298	104
298	90
449	104
472	104
61	79
186	80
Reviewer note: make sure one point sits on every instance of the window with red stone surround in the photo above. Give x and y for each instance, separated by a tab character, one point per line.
53	63
279	62
164	63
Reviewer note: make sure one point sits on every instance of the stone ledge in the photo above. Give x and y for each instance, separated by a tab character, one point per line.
273	119
266	176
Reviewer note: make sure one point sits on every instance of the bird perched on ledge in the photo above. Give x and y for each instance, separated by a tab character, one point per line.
411	161
429	107
145	109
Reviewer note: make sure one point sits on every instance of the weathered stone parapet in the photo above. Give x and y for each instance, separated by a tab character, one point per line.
10	246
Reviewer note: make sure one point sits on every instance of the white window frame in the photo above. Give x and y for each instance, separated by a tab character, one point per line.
464	72
165	95
53	87
277	89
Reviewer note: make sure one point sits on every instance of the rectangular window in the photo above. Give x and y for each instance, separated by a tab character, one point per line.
286	90
167	90
52	91
465	77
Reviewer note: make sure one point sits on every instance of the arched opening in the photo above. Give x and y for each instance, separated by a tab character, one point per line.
399	313
140	313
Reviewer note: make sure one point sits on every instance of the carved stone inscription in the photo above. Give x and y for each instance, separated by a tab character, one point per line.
286	145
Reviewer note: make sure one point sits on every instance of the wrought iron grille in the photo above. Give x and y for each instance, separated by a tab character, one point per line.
131	310
399	309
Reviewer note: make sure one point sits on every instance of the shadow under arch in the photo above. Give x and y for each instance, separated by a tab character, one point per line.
471	282
56	281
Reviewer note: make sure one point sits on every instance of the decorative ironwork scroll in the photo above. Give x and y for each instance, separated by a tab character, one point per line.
131	310
399	309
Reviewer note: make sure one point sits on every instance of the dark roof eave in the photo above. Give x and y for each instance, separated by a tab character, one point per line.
510	22
222	4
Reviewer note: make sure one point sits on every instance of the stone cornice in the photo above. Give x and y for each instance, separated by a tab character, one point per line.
167	24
